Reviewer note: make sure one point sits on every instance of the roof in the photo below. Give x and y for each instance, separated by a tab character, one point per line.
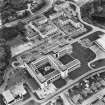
59	83
38	69
21	90
40	20
32	83
101	42
65	59
8	96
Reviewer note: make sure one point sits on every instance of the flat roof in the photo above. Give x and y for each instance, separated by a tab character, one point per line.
47	28
45	69
31	32
66	58
40	19
20	49
8	96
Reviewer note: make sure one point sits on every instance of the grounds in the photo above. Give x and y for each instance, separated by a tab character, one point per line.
84	55
65	59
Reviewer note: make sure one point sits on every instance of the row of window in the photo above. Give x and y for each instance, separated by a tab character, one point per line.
54	78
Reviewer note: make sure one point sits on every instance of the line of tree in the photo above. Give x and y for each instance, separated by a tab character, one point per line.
5	55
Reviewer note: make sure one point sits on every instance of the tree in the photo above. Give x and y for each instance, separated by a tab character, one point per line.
18	4
5	14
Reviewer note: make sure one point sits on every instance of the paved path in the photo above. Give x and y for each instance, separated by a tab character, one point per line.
75	40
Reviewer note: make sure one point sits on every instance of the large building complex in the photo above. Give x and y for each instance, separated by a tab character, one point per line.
66	61
45	70
90	92
58	58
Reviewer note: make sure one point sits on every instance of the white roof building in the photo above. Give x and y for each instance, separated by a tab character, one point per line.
14	94
0	21
101	42
21	48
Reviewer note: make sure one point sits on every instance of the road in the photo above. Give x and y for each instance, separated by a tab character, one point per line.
75	40
49	4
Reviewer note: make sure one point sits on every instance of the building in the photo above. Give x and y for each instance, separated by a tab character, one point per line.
96	98
31	32
43	93
92	88
82	2
0	21
35	4
44	26
14	94
101	42
16	50
49	68
55	15
66	61
44	70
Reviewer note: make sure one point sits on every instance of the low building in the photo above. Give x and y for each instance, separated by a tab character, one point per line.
14	94
0	21
44	70
55	15
16	50
47	29
66	61
31	32
96	98
43	93
101	42
82	2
